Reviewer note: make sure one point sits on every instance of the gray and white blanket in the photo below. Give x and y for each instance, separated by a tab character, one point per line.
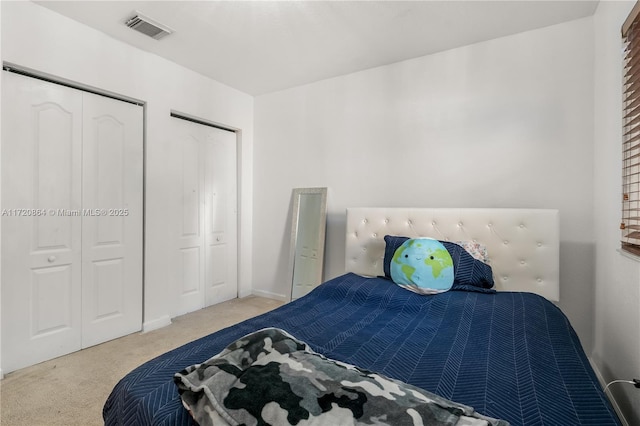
270	378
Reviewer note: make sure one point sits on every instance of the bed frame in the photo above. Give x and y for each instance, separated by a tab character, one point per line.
522	244
508	355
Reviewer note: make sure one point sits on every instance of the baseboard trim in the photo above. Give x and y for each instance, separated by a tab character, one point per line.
609	395
270	295
155	324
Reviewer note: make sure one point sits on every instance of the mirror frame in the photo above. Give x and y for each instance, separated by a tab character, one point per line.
295	213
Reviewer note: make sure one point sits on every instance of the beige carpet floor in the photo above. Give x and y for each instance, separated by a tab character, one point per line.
72	389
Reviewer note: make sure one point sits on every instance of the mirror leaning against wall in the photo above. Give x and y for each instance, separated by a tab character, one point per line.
308	226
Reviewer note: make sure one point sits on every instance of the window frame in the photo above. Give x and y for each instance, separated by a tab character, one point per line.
630	168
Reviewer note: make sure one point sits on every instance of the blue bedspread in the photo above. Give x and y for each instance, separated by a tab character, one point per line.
512	356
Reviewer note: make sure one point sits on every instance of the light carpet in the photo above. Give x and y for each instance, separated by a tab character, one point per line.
71	390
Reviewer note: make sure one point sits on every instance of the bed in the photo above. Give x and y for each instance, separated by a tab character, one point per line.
509	354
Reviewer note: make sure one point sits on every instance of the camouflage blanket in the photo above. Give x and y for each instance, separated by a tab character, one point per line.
270	378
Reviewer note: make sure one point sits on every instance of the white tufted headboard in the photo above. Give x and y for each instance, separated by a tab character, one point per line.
522	244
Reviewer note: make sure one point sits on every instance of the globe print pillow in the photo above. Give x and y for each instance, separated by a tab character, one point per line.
422	265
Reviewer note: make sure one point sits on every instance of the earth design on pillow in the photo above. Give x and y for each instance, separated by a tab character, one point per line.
423	265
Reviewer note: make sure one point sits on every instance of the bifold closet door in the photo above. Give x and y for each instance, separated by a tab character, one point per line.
221	216
41	250
71	220
204	216
112	223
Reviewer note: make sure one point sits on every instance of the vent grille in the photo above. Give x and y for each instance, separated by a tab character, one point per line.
148	26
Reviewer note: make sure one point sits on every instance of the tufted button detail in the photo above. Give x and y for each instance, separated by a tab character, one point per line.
490	224
522	225
375	235
505	278
539	244
460	224
364	249
386	221
433	223
505	242
409	222
522	262
539	280
355	234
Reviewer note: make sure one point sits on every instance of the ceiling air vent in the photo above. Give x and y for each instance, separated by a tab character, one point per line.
148	26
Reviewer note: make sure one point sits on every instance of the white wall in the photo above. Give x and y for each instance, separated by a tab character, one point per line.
616	350
60	46
503	123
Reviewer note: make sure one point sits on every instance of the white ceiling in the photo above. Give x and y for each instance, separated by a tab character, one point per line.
264	46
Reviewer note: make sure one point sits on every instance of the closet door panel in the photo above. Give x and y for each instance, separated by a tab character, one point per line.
112	219
221	240
41	236
187	211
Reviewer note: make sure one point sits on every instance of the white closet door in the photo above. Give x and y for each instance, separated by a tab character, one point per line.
221	213
72	220
41	246
187	211
204	190
112	219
